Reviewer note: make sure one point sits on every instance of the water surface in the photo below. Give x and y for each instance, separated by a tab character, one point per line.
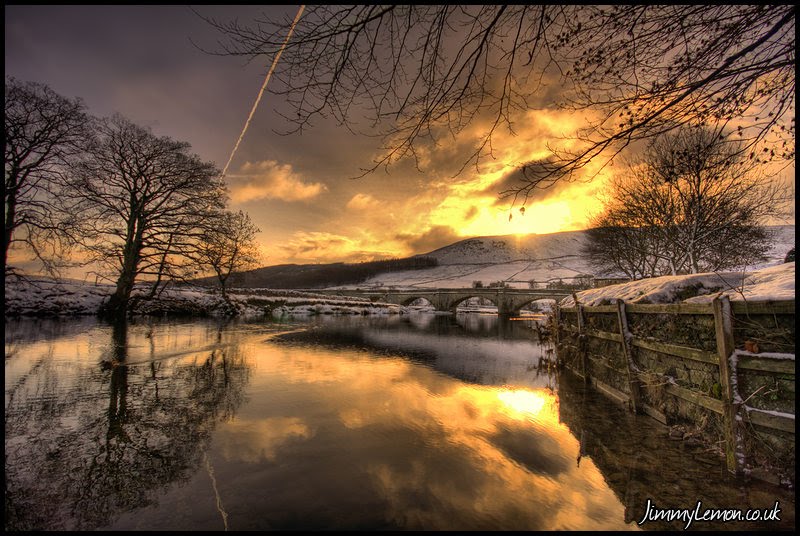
394	422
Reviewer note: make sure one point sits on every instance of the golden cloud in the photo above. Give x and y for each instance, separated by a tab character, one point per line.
442	209
469	204
363	202
268	179
319	246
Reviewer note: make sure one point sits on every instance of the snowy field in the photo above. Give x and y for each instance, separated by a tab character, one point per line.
41	296
516	260
513	260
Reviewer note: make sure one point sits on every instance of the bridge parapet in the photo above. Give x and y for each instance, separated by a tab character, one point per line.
508	301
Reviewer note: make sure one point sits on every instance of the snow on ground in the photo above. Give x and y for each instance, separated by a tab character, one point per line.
774	283
43	296
516	260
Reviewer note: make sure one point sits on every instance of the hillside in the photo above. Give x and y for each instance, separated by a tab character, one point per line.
309	276
519	259
513	259
487	259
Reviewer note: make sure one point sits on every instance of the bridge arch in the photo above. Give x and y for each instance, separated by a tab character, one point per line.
406	301
524	303
507	301
455	302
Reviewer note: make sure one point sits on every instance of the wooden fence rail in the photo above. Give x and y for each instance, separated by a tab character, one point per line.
725	360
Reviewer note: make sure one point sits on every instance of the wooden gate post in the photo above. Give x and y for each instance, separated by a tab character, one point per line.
557	325
633	377
583	342
725	345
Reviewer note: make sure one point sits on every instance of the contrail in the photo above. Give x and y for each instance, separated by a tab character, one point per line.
263	87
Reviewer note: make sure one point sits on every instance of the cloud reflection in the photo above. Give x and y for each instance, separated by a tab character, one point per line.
439	453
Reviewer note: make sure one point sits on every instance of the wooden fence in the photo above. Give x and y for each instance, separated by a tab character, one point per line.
727	362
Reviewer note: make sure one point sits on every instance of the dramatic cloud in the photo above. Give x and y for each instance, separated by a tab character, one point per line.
436	237
516	177
469	202
323	247
268	179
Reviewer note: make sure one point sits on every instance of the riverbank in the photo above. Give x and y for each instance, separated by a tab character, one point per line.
711	357
43	297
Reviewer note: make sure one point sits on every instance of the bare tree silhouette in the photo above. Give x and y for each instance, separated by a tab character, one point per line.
227	245
691	203
423	73
43	133
140	202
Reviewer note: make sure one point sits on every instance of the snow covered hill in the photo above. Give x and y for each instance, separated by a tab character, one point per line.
516	260
513	260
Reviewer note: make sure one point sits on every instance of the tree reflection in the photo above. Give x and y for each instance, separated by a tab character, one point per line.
83	446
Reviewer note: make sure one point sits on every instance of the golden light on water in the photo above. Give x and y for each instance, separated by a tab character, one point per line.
405	430
524	403
492	434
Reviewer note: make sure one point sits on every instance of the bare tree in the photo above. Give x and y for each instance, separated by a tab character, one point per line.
693	203
227	245
43	131
422	73
142	201
614	248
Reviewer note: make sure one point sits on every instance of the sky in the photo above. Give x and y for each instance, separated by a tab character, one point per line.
140	61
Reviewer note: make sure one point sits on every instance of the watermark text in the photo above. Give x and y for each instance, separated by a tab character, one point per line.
698	513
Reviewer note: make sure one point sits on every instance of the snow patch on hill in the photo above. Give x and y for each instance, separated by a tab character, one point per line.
516	260
511	259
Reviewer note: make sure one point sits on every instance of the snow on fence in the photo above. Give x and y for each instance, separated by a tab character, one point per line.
727	368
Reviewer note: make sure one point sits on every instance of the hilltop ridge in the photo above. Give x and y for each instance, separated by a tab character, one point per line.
513	259
516	260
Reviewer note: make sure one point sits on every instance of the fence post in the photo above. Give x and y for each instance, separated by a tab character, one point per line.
725	345
557	324
633	378
583	342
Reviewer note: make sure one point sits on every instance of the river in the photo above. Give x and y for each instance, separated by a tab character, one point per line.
419	421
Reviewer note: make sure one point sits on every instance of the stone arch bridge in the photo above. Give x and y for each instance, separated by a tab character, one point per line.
508	301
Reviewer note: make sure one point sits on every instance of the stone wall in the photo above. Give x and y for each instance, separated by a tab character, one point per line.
671	371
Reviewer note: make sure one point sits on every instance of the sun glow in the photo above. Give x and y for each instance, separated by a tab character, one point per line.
525	404
550	216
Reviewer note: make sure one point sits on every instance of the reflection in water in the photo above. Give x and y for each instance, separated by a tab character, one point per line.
640	462
89	436
475	348
412	422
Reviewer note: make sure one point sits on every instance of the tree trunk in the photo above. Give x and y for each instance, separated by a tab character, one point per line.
11	213
223	279
117	306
